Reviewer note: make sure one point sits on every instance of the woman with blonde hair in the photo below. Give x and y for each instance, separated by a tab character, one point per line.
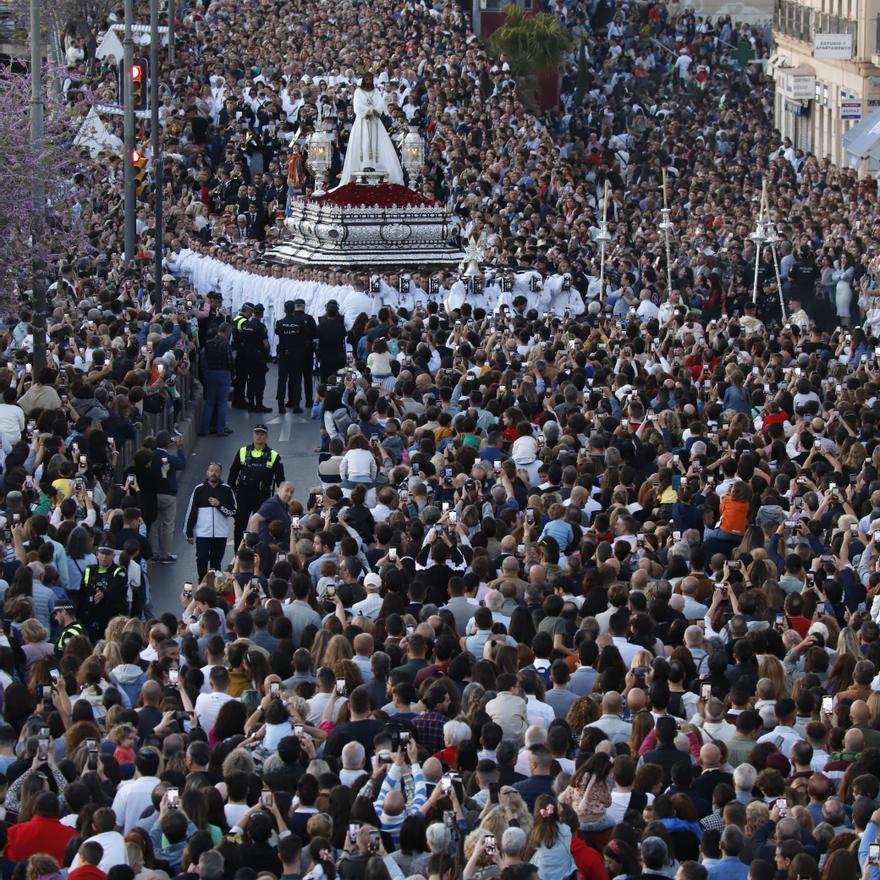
494	822
115	628
848	643
757	813
36	645
642	658
338	648
364	624
771	667
514	808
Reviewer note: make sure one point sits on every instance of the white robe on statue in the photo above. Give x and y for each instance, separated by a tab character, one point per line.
369	145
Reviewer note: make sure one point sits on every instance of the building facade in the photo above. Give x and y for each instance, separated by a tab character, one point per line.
826	68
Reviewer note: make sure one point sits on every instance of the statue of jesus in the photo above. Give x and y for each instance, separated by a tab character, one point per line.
369	146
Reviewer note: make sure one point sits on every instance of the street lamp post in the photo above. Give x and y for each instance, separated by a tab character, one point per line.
604	237
758	237
666	227
157	152
128	134
38	188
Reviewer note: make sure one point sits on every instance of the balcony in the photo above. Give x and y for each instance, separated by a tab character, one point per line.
802	23
793	20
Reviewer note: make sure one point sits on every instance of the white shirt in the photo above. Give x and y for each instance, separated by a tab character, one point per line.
368	607
318	703
620	804
539	713
627	651
132	798
208	707
234	812
115	853
647	311
12	422
788	735
820	759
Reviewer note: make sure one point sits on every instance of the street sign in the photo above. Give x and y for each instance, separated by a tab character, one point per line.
850	108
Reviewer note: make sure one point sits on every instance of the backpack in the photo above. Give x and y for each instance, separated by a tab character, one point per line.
342	421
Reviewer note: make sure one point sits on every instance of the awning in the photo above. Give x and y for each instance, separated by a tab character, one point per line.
863	139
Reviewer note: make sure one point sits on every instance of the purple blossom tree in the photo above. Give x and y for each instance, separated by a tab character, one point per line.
59	162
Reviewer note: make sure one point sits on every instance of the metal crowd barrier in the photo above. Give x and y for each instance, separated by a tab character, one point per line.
190	390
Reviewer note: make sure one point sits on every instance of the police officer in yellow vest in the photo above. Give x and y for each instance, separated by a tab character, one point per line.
240	373
104	592
255	473
64	614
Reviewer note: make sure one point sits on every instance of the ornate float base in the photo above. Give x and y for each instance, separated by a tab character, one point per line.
367	225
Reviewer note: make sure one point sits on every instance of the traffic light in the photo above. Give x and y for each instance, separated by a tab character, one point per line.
139	164
140	73
139	84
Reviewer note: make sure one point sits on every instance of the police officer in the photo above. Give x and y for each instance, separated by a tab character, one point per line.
255	344
64	613
104	592
239	377
255	473
296	333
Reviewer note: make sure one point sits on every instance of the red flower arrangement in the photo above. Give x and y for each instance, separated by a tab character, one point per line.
385	195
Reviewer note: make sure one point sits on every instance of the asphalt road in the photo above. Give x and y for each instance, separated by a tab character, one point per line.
293	436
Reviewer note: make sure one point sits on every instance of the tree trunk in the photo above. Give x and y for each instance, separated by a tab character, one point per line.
527	92
548	89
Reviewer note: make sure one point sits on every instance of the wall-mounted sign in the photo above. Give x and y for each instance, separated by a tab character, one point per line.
797	84
850	108
833	46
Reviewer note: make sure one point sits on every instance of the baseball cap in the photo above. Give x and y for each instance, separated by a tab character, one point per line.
372	580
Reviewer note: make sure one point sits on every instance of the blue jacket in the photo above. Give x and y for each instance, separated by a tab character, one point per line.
729	868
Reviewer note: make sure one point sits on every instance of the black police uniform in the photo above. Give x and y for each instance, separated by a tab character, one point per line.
240	373
255	348
112	582
296	333
254	475
69	632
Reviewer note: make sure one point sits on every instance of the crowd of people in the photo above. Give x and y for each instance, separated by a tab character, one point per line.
588	586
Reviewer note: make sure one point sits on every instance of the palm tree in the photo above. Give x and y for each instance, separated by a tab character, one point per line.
531	44
534	46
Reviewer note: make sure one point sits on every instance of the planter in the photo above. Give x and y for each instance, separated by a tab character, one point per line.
548	89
